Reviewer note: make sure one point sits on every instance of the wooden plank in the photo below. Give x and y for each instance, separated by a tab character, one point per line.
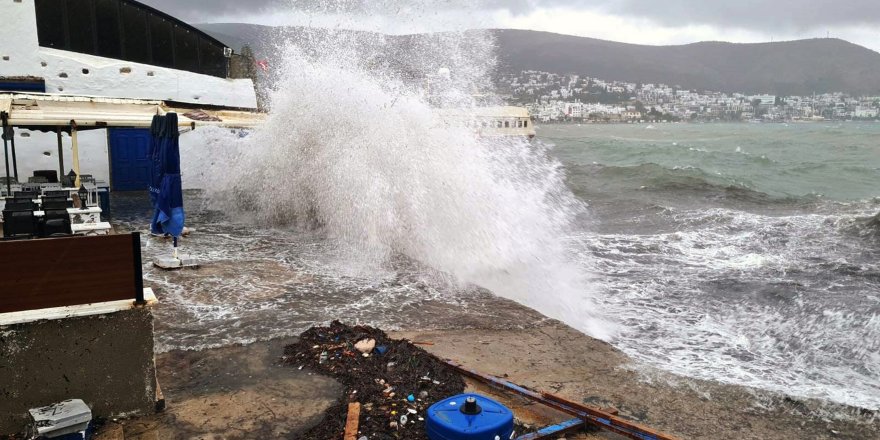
58	272
351	423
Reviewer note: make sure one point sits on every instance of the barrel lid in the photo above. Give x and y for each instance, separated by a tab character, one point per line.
447	419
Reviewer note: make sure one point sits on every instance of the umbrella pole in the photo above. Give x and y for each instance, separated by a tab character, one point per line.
14	159
5	118
174	254
60	154
74	139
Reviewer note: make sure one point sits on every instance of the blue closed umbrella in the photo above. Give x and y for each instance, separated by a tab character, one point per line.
169	217
156	129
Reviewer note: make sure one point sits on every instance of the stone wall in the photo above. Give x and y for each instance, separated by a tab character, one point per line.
106	360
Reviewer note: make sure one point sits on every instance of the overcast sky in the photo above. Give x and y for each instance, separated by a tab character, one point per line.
631	21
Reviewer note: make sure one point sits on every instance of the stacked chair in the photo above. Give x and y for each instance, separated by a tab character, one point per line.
56	223
18	219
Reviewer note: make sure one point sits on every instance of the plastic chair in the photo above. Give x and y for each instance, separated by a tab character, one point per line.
55	223
50	175
56	205
18	224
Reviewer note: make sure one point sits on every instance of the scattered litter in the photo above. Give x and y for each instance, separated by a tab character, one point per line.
69	418
386	383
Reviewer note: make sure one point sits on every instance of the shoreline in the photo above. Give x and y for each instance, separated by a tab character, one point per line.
241	391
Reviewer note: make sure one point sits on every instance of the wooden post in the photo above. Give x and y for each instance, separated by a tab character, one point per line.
351	422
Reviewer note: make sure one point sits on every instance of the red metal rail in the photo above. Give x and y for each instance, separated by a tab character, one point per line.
594	416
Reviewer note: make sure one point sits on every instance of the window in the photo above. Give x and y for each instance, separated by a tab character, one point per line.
107	27
50	26
526	123
136	43
161	41
81	26
186	49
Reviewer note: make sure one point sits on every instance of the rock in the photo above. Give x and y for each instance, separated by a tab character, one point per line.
365	345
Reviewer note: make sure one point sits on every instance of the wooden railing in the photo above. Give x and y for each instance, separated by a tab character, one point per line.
57	272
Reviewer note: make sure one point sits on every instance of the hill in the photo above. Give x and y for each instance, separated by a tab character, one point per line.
782	68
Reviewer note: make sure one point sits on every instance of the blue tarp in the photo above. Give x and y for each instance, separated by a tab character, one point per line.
166	191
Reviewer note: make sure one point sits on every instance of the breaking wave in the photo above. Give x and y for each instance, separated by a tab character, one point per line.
354	148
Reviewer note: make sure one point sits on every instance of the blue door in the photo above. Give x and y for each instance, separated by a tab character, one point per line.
130	160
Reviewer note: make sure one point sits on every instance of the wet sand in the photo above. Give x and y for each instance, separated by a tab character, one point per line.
241	392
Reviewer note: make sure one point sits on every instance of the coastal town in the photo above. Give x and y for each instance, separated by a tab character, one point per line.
553	97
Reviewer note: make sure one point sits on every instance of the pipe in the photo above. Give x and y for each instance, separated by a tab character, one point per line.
74	139
594	416
60	155
554	431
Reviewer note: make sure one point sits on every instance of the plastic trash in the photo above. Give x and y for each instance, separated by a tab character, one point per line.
365	345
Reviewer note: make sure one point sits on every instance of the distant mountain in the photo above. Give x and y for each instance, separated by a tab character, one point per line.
784	68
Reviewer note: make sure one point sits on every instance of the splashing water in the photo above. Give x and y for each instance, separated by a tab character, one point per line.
354	150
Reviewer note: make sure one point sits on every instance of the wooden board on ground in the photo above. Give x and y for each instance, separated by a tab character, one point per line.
351	423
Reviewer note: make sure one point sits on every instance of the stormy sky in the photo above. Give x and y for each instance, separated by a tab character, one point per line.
632	21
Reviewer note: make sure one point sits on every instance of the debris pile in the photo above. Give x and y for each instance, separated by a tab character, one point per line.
393	380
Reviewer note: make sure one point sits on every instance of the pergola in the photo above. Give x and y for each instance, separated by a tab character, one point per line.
71	114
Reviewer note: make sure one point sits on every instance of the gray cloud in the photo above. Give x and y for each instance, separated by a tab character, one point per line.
760	15
203	11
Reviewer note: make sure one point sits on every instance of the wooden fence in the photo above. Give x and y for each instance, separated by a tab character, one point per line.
56	272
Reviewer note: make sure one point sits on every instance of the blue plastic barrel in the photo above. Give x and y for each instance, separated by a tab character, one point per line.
469	417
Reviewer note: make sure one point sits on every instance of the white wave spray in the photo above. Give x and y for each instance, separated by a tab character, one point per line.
352	147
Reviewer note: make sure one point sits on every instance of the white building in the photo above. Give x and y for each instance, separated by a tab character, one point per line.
113	49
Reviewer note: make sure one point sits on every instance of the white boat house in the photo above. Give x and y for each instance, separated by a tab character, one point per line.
95	66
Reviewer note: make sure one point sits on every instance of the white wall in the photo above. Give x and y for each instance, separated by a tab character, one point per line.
30	147
21	55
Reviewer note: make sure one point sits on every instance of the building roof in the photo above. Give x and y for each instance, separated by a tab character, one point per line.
47	110
177	21
488	112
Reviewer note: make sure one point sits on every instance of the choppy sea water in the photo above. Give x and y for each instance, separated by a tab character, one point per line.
738	253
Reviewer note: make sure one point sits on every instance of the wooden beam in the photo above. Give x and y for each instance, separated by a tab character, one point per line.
351	423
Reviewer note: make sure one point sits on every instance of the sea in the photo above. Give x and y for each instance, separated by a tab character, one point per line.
744	253
740	253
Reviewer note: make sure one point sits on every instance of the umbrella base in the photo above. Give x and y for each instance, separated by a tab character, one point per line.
171	263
